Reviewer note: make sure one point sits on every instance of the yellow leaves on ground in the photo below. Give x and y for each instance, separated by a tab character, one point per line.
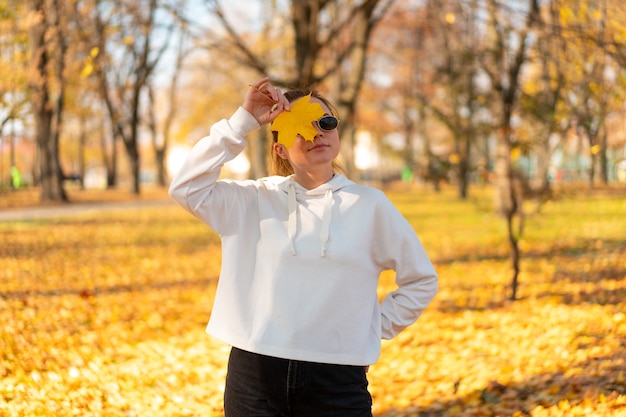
298	121
103	314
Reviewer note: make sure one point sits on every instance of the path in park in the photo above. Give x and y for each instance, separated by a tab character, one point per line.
36	213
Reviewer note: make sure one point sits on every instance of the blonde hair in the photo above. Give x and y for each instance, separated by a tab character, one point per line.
280	166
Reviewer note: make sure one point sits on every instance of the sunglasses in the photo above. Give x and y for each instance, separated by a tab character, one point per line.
327	122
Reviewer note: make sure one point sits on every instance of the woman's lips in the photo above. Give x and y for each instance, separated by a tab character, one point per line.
320	146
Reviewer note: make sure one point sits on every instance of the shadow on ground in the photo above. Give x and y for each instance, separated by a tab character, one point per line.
544	390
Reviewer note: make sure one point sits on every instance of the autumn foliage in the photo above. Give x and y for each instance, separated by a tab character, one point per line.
103	314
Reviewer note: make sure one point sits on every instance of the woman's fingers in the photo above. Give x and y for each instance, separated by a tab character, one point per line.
266	101
260	83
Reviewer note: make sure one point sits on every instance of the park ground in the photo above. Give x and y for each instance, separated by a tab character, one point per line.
103	311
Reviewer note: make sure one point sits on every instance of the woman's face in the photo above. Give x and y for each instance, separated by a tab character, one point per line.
306	155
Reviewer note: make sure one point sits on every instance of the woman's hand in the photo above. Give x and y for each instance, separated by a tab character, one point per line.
264	101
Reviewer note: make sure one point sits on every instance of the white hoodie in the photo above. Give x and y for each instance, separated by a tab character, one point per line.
300	268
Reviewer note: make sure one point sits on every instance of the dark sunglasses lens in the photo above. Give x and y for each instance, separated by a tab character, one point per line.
328	123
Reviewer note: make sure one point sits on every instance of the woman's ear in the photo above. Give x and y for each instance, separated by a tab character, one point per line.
281	150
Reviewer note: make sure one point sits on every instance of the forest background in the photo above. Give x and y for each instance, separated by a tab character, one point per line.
521	94
523	97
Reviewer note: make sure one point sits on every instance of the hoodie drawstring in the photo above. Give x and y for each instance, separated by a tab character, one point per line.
292	224
328	205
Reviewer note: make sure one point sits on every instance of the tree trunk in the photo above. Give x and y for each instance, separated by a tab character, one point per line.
408	153
81	151
305	16
604	160
506	78
47	114
159	159
593	167
257	152
134	164
464	169
544	154
109	159
350	84
508	204
515	255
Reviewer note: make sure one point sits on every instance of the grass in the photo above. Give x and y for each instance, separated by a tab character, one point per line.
104	313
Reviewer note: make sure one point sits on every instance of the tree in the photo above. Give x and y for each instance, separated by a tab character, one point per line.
13	67
12	55
125	59
460	100
594	89
47	90
507	56
162	132
543	100
400	86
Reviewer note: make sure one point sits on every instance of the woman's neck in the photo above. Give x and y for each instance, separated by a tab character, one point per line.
310	180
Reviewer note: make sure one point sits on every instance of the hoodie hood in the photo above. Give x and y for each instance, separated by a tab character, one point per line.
297	193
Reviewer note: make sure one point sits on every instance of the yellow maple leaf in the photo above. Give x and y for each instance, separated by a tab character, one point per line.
298	121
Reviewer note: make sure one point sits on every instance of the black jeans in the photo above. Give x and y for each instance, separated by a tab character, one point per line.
264	386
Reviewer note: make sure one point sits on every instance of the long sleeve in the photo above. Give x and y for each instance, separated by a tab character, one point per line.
416	277
193	186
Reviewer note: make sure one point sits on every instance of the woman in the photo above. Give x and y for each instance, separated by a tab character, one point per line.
301	256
